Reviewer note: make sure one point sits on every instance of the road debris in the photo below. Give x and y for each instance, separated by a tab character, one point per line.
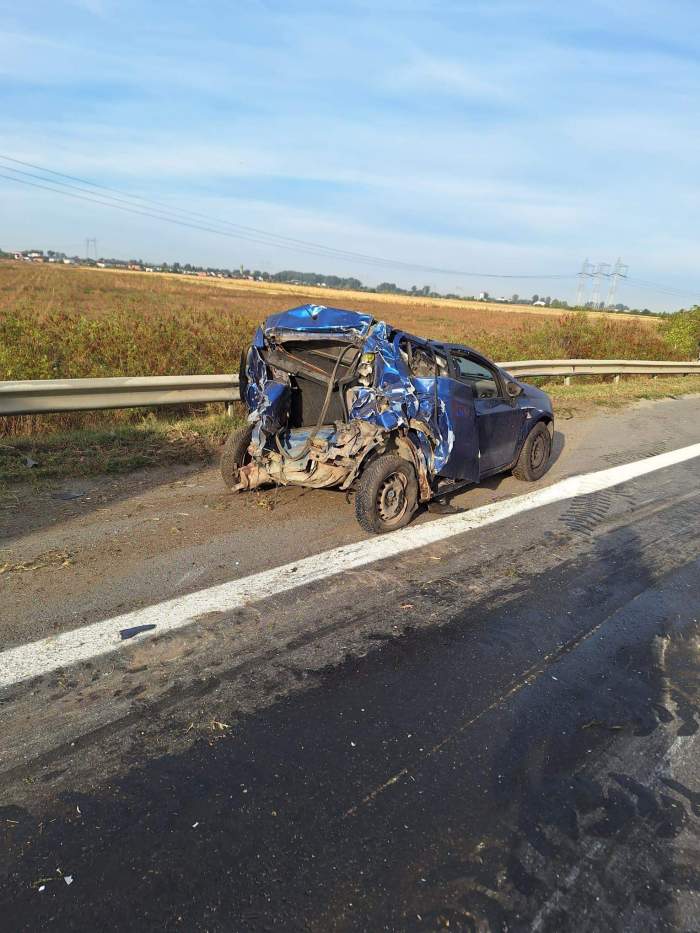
135	630
54	558
599	724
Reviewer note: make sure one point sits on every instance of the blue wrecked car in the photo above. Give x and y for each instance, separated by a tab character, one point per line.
337	398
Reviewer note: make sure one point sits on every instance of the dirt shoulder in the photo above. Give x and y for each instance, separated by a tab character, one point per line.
85	547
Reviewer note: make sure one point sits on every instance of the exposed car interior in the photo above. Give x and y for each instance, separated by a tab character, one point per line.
311	364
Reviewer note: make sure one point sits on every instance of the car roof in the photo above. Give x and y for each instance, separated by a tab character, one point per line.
459	346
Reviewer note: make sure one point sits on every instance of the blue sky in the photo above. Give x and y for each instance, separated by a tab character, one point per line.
505	137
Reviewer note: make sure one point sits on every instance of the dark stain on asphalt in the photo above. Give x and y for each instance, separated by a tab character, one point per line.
476	798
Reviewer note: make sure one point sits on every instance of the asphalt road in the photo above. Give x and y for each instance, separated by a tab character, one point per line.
495	732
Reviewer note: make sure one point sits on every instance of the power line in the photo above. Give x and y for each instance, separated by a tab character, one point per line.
176	216
158	210
666	289
168	214
144	213
181	211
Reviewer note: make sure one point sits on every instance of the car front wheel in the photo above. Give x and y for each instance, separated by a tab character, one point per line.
386	494
533	461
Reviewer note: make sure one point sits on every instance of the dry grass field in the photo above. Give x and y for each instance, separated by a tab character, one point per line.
65	322
70	322
95	292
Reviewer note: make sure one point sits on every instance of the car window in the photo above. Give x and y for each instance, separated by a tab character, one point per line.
421	360
476	374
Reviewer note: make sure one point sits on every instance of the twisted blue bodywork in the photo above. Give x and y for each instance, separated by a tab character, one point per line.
423	414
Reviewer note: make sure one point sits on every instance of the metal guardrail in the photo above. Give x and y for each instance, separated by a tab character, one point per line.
44	396
600	367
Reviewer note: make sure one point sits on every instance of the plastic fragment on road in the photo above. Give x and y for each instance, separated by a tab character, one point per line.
135	630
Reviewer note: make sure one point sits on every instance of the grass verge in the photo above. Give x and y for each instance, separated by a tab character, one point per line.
157	442
582	394
121	449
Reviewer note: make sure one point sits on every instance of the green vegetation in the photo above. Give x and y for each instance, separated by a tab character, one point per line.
150	442
682	332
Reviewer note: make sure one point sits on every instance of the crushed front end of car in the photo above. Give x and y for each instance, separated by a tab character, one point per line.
326	389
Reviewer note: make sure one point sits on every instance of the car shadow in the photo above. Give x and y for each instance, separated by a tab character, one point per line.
558	445
492	483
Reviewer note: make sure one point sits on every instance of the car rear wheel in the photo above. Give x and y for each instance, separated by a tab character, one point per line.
235	454
533	461
386	495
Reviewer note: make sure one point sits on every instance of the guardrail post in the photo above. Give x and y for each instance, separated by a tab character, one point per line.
229	409
567	380
616	377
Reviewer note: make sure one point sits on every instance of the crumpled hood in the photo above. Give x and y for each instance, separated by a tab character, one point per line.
316	320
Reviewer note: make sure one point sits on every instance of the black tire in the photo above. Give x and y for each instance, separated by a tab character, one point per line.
235	454
386	494
533	461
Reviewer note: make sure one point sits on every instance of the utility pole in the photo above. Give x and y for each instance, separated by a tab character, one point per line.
619	272
88	241
602	270
584	274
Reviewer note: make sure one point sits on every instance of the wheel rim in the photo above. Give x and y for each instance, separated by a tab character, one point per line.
391	498
539	451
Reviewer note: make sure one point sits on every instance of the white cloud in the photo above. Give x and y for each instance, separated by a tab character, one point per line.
435	73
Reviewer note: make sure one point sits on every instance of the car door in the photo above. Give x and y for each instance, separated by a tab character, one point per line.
499	418
456	455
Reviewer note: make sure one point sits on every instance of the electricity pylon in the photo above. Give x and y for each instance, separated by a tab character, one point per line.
585	273
602	270
619	272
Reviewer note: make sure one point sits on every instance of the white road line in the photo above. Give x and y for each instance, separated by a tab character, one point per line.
99	638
